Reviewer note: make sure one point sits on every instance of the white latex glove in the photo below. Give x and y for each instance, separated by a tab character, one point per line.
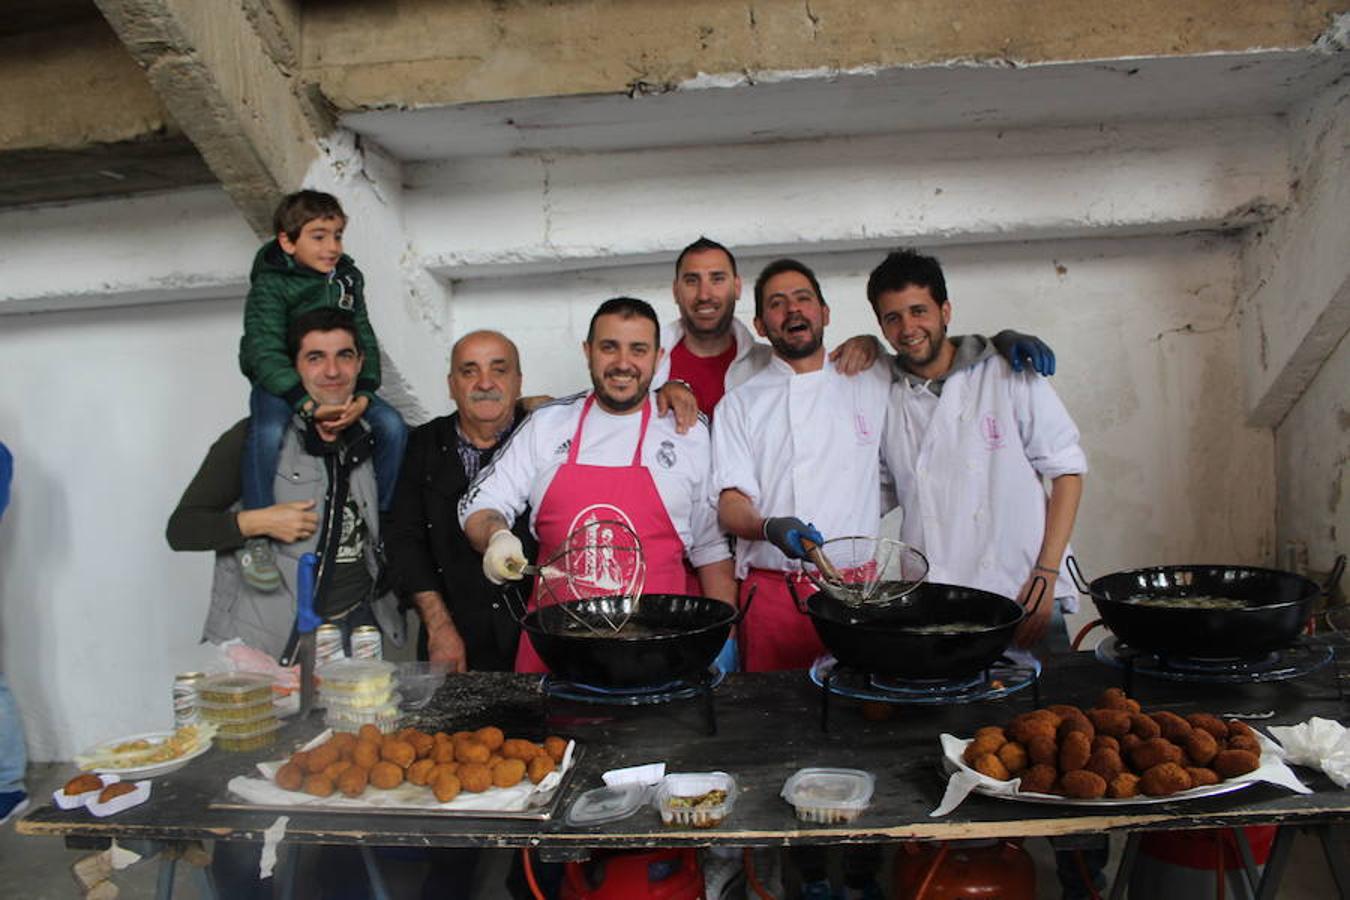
504	558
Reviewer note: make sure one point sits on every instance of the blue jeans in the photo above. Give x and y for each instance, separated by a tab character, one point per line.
13	753
270	416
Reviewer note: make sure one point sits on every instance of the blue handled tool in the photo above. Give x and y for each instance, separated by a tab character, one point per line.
307	622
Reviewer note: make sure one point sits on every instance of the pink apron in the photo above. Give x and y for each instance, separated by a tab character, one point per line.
775	635
580	493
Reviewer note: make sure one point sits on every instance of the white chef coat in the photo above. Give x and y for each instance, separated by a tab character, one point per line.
968	468
680	465
751	355
803	445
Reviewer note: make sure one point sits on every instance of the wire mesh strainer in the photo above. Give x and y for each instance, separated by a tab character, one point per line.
598	558
866	571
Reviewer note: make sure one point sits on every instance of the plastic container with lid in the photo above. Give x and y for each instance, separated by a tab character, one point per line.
357	679
607	804
264	735
829	796
358	701
695	799
244	728
234	689
235	712
386	718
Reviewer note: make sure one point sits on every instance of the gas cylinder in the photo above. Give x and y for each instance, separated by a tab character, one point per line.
993	870
670	874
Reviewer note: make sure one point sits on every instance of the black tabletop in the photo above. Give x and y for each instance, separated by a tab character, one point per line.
768	726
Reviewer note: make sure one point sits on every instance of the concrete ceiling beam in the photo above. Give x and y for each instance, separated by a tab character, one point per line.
213	68
1296	273
430	53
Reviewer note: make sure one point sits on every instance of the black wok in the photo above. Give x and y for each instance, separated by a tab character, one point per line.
667	638
1277	607
884	641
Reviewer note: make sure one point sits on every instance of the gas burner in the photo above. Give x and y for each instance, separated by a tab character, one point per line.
684	689
1001	679
1298	659
558	689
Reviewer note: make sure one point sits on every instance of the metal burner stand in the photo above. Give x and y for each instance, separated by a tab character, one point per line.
1004	678
1301	658
700	688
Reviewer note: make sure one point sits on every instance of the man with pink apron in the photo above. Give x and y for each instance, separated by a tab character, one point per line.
586	462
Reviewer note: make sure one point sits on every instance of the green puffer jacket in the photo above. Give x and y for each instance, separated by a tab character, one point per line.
283	289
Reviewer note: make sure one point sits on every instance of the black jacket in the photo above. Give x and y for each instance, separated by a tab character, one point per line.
427	550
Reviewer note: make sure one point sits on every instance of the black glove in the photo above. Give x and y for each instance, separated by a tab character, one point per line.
1020	348
786	533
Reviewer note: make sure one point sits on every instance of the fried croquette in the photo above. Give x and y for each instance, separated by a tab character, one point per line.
1113	698
400	753
1155	752
1105	742
1201	776
539	767
319	785
1106	763
1243	742
472	752
509	773
343	740
1200	747
1012	754
1172	726
556	747
519	748
352	782
321	758
386	775
980	746
1231	763
1076	723
1213	724
1124	785
446	787
420	772
337	769
1043	751
1112	722
1238	727
991	766
992	730
366	753
1144	726
300	757
1039	779
82	784
1074	750
449	768
116	789
474	777
1128	743
1082	785
490	736
422	744
444	752
290	777
1164	779
370	733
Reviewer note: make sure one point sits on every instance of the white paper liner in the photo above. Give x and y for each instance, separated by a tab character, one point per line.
964	780
648	774
125	801
66	801
1317	743
264	792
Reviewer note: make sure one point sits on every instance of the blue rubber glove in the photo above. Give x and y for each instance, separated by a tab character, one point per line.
786	533
1020	349
728	660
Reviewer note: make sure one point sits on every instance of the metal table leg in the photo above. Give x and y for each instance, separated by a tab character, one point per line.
1334	838
1249	867
378	891
1126	867
1276	862
168	863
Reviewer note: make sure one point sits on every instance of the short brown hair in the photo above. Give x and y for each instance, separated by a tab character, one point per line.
297	209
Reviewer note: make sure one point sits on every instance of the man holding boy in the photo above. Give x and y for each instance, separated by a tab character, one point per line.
603	455
324	484
303	268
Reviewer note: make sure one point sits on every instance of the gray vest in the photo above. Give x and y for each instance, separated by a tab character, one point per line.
264	620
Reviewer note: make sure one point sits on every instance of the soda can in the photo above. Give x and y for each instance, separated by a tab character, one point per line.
185	709
366	643
327	644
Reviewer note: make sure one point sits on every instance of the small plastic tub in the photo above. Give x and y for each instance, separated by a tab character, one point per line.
358	702
235	689
246	728
695	799
386	718
419	681
234	712
829	796
264	735
359	680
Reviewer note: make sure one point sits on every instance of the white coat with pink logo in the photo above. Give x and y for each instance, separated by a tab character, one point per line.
968	468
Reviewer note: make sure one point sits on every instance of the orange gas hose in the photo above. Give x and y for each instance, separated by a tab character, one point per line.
760	890
529	874
932	873
1086	875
